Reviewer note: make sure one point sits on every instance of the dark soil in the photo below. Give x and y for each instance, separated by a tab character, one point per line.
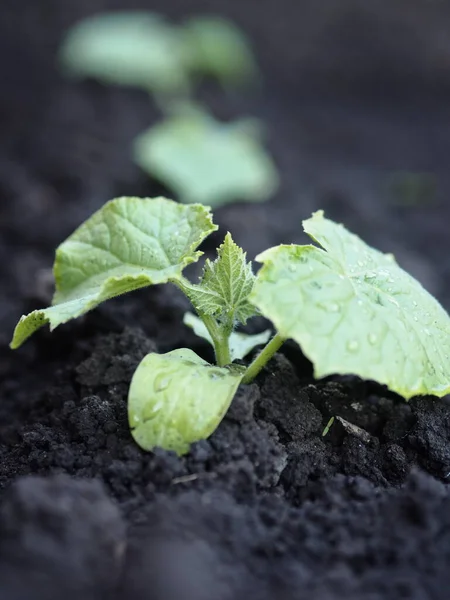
267	507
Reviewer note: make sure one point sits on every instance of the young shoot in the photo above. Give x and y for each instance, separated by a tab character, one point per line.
352	309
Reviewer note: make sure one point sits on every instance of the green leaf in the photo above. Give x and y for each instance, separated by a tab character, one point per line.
206	161
177	398
353	310
127	48
240	344
225	286
218	48
128	244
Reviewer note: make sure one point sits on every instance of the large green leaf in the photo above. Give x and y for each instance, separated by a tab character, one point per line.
240	344
353	310
128	244
206	161
127	48
225	286
177	398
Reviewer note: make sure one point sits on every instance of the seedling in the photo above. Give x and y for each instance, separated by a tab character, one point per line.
143	50
352	309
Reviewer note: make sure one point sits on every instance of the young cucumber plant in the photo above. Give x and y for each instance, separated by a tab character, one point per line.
352	309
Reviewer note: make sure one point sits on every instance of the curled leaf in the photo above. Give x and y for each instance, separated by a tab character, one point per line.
177	398
353	310
128	244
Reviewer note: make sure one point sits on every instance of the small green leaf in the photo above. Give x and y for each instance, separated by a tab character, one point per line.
225	286
177	398
240	344
218	48
327	427
206	161
353	310
128	244
127	48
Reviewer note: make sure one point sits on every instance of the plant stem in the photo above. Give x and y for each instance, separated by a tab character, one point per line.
263	357
220	335
220	339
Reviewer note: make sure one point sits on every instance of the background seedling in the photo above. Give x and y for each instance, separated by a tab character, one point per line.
197	157
352	309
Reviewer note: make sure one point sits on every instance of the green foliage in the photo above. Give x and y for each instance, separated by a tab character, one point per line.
128	244
142	49
240	344
353	310
218	48
200	159
225	285
177	398
206	161
138	49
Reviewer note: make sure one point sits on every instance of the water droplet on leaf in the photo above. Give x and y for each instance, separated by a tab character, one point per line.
373	338
352	345
161	382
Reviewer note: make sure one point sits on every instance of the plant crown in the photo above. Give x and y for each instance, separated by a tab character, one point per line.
351	308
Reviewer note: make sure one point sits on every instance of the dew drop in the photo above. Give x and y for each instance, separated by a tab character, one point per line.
333	307
427	331
330	306
161	383
373	338
352	345
370	275
292	268
360	263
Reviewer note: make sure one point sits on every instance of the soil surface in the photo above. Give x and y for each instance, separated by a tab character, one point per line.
267	507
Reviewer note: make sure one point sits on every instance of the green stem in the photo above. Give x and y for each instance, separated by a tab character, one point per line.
220	335
263	357
220	339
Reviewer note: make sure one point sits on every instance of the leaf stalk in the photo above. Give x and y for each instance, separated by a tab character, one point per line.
263	357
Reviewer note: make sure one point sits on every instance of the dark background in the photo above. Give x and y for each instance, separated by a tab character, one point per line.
354	93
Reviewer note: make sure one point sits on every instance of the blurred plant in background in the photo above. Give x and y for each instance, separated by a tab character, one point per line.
197	157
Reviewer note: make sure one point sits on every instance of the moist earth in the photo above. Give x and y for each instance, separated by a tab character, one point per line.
268	507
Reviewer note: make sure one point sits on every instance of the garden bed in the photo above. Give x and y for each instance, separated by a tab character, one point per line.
267	507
